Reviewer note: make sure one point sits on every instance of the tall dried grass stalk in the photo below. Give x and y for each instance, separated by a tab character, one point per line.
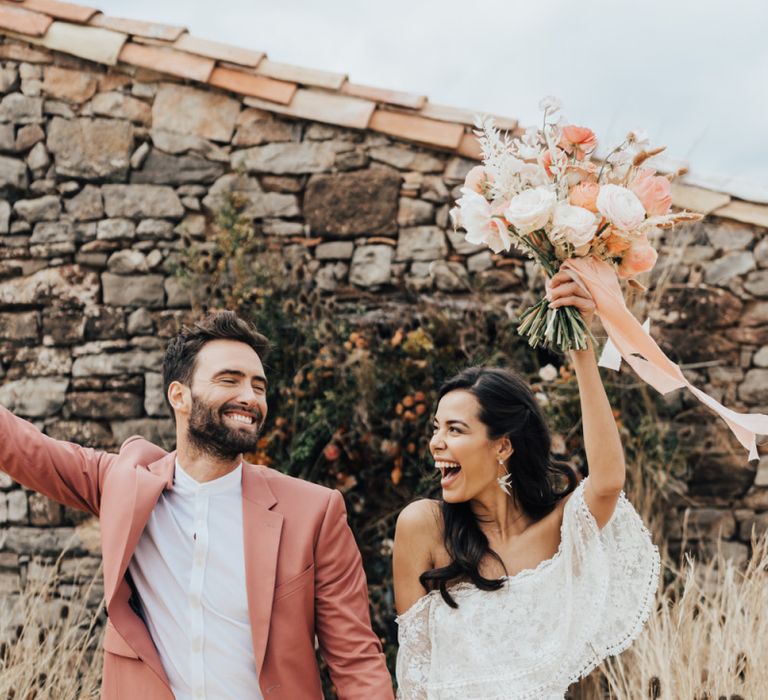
51	647
707	639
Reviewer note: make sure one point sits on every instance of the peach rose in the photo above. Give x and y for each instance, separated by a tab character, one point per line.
585	195
478	180
640	257
577	139
654	191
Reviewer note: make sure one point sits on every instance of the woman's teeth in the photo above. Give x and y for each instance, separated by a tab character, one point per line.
447	469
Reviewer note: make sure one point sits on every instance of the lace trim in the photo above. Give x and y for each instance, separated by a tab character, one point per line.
649	597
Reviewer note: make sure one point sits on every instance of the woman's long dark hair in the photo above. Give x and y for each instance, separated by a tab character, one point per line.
507	408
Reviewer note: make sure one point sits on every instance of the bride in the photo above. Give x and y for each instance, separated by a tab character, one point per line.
519	581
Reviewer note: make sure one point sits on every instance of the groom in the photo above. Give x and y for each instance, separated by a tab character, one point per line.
218	574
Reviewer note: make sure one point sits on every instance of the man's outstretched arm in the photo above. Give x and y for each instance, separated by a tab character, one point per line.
63	471
347	642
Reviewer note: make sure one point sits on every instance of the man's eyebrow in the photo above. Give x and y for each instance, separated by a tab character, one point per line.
240	373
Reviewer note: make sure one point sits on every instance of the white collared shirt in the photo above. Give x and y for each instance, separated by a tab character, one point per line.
189	570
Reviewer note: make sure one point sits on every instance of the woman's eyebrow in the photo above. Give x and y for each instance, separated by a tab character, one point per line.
452	421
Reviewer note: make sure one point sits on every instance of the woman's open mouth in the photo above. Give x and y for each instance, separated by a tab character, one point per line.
449	471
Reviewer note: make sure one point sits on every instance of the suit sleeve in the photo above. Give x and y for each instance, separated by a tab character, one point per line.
347	642
63	471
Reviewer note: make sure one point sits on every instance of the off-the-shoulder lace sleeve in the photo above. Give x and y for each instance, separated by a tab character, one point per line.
614	574
413	653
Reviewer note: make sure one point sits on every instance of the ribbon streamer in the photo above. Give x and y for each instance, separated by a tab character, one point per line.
610	358
642	353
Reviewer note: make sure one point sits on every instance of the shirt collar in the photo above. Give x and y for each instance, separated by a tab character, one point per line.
184	483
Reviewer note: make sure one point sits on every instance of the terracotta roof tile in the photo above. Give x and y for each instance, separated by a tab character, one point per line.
159	49
393	97
414	128
221	52
167	60
747	212
469	147
91	43
324	107
17	19
14	51
303	76
254	85
463	116
60	10
164	32
697	198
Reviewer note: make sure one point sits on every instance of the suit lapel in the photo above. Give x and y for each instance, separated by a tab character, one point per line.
125	512
262	528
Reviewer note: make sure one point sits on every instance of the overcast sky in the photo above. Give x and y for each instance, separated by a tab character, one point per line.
693	74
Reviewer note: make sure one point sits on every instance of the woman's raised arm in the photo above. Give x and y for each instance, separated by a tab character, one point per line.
605	454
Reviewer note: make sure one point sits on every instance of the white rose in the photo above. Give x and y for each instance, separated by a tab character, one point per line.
531	210
621	207
574	224
475	216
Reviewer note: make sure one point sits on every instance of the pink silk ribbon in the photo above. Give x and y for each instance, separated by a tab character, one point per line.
642	353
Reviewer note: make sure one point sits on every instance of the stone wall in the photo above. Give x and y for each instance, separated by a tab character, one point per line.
102	171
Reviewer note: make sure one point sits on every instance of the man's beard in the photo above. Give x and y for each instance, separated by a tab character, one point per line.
208	433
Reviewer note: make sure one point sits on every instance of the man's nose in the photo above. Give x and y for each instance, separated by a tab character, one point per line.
248	395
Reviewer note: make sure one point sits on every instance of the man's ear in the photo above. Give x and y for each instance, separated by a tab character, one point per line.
180	397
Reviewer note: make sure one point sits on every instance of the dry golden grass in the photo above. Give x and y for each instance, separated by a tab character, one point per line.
707	639
50	648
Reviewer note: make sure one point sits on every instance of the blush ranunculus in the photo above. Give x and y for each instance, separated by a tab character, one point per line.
585	195
577	139
654	191
475	215
478	179
574	224
621	207
545	160
616	243
531	209
640	257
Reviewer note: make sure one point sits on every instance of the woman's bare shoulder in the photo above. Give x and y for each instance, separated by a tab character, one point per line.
420	519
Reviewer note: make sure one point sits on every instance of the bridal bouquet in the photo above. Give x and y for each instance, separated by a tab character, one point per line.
543	193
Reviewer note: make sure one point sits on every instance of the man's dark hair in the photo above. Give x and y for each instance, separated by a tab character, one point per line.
181	353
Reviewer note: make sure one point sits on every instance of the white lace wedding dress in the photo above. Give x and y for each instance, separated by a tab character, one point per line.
545	628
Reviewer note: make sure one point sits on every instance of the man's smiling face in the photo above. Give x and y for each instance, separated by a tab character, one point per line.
228	399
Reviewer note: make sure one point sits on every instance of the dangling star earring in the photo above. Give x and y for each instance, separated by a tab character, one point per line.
505	482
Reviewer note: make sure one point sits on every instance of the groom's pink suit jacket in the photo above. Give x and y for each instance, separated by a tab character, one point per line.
302	568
